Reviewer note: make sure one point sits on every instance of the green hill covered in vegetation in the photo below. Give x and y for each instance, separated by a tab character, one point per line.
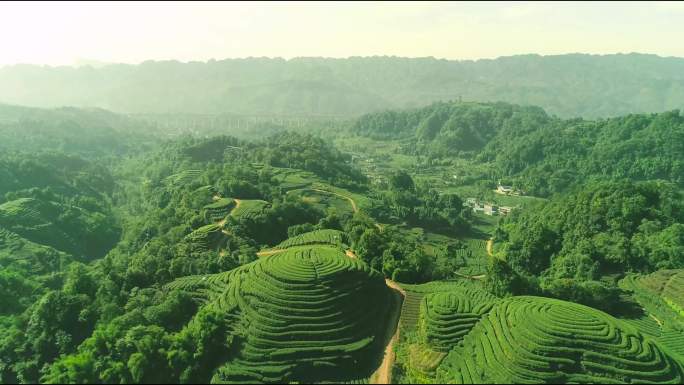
535	152
540	340
309	314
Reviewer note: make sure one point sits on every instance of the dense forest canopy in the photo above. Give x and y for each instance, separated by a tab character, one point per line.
602	230
565	85
90	132
538	153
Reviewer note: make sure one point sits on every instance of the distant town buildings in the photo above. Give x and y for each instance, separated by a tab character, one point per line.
487	208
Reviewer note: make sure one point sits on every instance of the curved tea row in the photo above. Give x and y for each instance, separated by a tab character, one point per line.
542	340
205	238
446	317
218	210
249	208
183	177
317	237
26	211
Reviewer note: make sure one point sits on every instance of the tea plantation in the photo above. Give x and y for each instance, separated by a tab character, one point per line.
317	237
661	292
218	210
249	208
446	317
309	314
205	238
183	177
541	340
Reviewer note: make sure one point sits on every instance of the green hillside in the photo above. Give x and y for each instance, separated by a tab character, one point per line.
317	237
309	314
539	340
446	317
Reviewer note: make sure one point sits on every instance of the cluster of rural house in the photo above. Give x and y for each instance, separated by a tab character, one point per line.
487	208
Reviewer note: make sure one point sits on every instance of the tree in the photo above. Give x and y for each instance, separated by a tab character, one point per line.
402	181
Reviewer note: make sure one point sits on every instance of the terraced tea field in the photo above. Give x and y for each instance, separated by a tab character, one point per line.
218	210
475	257
542	340
249	208
424	360
410	312
446	317
673	341
357	201
472	258
38	221
183	177
661	294
209	237
308	314
317	237
25	211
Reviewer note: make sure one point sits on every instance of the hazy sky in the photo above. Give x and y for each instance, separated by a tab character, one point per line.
62	33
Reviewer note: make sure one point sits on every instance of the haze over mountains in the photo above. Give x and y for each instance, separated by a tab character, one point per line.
565	85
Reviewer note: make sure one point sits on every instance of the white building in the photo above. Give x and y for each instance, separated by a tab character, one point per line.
490	209
504	189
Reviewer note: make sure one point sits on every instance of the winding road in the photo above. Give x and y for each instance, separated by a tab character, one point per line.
383	375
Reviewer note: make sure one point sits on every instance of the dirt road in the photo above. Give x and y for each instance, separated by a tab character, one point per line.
383	375
224	220
269	252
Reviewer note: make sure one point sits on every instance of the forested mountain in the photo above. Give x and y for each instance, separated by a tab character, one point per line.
90	132
564	85
536	152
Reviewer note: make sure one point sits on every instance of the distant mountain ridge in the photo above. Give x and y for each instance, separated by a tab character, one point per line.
565	85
